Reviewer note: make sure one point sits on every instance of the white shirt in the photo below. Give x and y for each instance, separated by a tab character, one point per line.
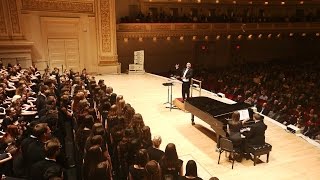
184	76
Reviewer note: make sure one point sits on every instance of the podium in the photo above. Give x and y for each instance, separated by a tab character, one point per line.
169	95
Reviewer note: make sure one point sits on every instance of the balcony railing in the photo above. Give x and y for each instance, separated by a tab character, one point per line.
176	29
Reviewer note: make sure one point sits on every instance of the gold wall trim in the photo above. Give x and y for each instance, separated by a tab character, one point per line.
58	6
3	26
105	25
13	9
211	28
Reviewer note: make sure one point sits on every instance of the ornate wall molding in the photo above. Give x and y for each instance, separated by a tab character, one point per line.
162	31
167	29
3	26
58	6
14	15
105	25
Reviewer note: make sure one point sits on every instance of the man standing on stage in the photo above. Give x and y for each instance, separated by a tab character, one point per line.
187	74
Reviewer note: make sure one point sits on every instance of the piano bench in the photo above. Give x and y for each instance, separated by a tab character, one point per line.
260	150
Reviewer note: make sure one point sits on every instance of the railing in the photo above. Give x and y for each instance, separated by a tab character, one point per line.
195	85
176	29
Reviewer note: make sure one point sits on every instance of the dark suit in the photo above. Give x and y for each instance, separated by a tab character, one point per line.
38	170
264	111
35	153
155	154
41	102
256	135
186	85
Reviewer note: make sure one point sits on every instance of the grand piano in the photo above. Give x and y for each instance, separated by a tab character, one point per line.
213	112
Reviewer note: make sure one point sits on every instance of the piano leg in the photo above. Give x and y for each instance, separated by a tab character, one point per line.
192	119
218	141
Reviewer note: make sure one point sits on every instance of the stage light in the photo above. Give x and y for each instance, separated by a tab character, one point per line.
206	37
317	34
154	38
217	1
283	3
194	37
125	39
266	2
303	34
229	37
140	39
250	36
168	38
181	38
301	2
291	34
260	36
240	36
269	35
218	37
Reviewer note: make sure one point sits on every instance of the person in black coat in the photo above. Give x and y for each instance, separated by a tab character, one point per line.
256	135
41	98
186	76
36	151
39	171
154	152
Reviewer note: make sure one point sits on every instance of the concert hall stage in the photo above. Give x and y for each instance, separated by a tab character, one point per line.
291	157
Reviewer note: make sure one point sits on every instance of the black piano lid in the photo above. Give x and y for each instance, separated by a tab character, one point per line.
215	107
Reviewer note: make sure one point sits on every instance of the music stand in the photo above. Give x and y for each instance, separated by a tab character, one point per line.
169	97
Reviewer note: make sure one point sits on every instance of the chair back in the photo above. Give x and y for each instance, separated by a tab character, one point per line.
226	144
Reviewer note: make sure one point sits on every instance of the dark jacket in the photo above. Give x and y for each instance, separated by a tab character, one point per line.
256	135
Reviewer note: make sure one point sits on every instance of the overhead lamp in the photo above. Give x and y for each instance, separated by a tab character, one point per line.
260	36
303	34
229	36
217	1
278	36
218	37
140	39
125	39
194	37
301	2
269	35
317	34
168	38
240	36
206	37
250	2
181	38
250	36
283	3
234	2
154	38
291	34
266	2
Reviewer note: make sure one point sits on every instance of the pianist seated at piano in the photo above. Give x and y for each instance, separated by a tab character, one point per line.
255	134
233	128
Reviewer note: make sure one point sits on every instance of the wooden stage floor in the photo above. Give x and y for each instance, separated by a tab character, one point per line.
291	157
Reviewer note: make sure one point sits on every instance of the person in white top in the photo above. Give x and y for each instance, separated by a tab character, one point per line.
187	74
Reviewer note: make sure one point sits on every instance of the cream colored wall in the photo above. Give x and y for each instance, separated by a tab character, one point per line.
39	27
91	23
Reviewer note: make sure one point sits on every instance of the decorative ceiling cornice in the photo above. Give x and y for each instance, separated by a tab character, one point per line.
58	6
